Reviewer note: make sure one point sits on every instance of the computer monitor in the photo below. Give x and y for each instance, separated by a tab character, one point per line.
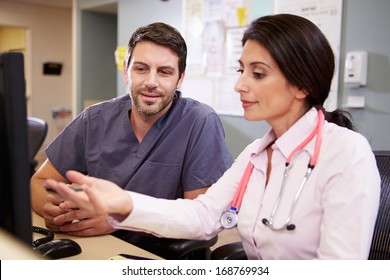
15	205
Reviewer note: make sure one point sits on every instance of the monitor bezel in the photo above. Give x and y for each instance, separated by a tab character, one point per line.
15	200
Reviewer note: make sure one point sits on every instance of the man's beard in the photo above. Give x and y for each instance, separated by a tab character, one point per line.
147	111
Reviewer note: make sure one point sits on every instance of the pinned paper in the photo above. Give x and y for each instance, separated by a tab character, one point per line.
120	54
241	16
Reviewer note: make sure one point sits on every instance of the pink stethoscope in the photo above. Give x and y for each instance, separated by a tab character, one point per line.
229	218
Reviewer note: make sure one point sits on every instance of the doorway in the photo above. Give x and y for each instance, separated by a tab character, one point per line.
97	76
14	39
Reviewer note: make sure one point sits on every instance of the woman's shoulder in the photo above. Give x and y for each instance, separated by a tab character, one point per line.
344	134
344	140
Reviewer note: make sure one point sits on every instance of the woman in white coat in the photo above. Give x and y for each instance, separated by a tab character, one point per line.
323	207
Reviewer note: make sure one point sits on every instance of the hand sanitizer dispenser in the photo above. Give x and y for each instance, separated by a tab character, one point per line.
355	74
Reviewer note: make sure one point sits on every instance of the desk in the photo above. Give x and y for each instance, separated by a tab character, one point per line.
97	247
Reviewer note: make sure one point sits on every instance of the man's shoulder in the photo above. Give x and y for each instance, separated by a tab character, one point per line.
115	103
195	107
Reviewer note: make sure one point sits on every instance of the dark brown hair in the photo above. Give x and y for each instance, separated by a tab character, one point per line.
160	34
304	56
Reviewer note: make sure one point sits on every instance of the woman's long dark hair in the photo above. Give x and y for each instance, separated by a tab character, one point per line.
304	56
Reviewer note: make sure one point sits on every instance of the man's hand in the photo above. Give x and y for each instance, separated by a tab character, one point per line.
83	223
95	196
51	210
64	216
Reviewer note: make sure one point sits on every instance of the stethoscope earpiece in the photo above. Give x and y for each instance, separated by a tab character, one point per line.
290	227
270	225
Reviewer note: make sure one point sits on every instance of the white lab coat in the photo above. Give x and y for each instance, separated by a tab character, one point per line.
334	217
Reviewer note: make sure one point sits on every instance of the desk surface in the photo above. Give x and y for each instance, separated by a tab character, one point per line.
101	247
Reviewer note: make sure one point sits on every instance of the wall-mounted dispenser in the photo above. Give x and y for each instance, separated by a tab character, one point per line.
355	74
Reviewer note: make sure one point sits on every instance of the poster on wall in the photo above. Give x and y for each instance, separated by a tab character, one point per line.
327	15
213	30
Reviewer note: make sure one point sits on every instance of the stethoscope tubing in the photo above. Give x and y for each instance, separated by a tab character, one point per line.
237	200
312	163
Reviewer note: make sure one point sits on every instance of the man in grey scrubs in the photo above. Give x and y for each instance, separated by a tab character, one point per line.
152	140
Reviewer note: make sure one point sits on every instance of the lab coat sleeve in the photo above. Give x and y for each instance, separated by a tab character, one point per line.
181	218
184	218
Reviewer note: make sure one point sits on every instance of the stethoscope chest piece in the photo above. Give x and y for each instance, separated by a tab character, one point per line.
229	219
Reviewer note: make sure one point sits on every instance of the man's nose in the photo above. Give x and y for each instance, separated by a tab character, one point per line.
152	80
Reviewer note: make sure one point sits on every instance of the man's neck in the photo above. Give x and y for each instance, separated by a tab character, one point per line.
141	124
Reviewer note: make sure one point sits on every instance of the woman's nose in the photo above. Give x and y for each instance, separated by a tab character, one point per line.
240	85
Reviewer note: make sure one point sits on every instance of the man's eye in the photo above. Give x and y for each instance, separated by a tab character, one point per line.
166	72
140	69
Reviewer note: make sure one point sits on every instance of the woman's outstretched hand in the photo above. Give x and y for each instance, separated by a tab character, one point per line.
94	195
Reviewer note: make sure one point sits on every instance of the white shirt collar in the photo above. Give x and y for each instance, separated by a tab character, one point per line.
292	137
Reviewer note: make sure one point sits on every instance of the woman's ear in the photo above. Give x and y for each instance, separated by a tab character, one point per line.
301	94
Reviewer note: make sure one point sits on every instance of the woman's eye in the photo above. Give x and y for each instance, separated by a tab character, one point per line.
240	71
258	75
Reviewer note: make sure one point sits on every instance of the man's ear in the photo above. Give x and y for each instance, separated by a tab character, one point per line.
125	72
180	81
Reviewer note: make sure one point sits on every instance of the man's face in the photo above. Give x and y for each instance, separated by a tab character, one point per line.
153	77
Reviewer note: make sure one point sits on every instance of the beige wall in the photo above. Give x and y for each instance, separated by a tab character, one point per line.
49	39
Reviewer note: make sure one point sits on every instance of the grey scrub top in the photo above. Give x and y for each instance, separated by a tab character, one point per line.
183	151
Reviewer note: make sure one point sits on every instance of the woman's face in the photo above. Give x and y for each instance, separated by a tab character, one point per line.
264	91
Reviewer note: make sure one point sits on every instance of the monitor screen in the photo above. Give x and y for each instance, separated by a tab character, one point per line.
15	205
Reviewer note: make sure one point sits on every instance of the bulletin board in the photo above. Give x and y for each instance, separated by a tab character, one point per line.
213	30
327	15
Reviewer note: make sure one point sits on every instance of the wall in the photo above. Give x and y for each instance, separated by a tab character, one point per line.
98	69
133	14
366	28
48	39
